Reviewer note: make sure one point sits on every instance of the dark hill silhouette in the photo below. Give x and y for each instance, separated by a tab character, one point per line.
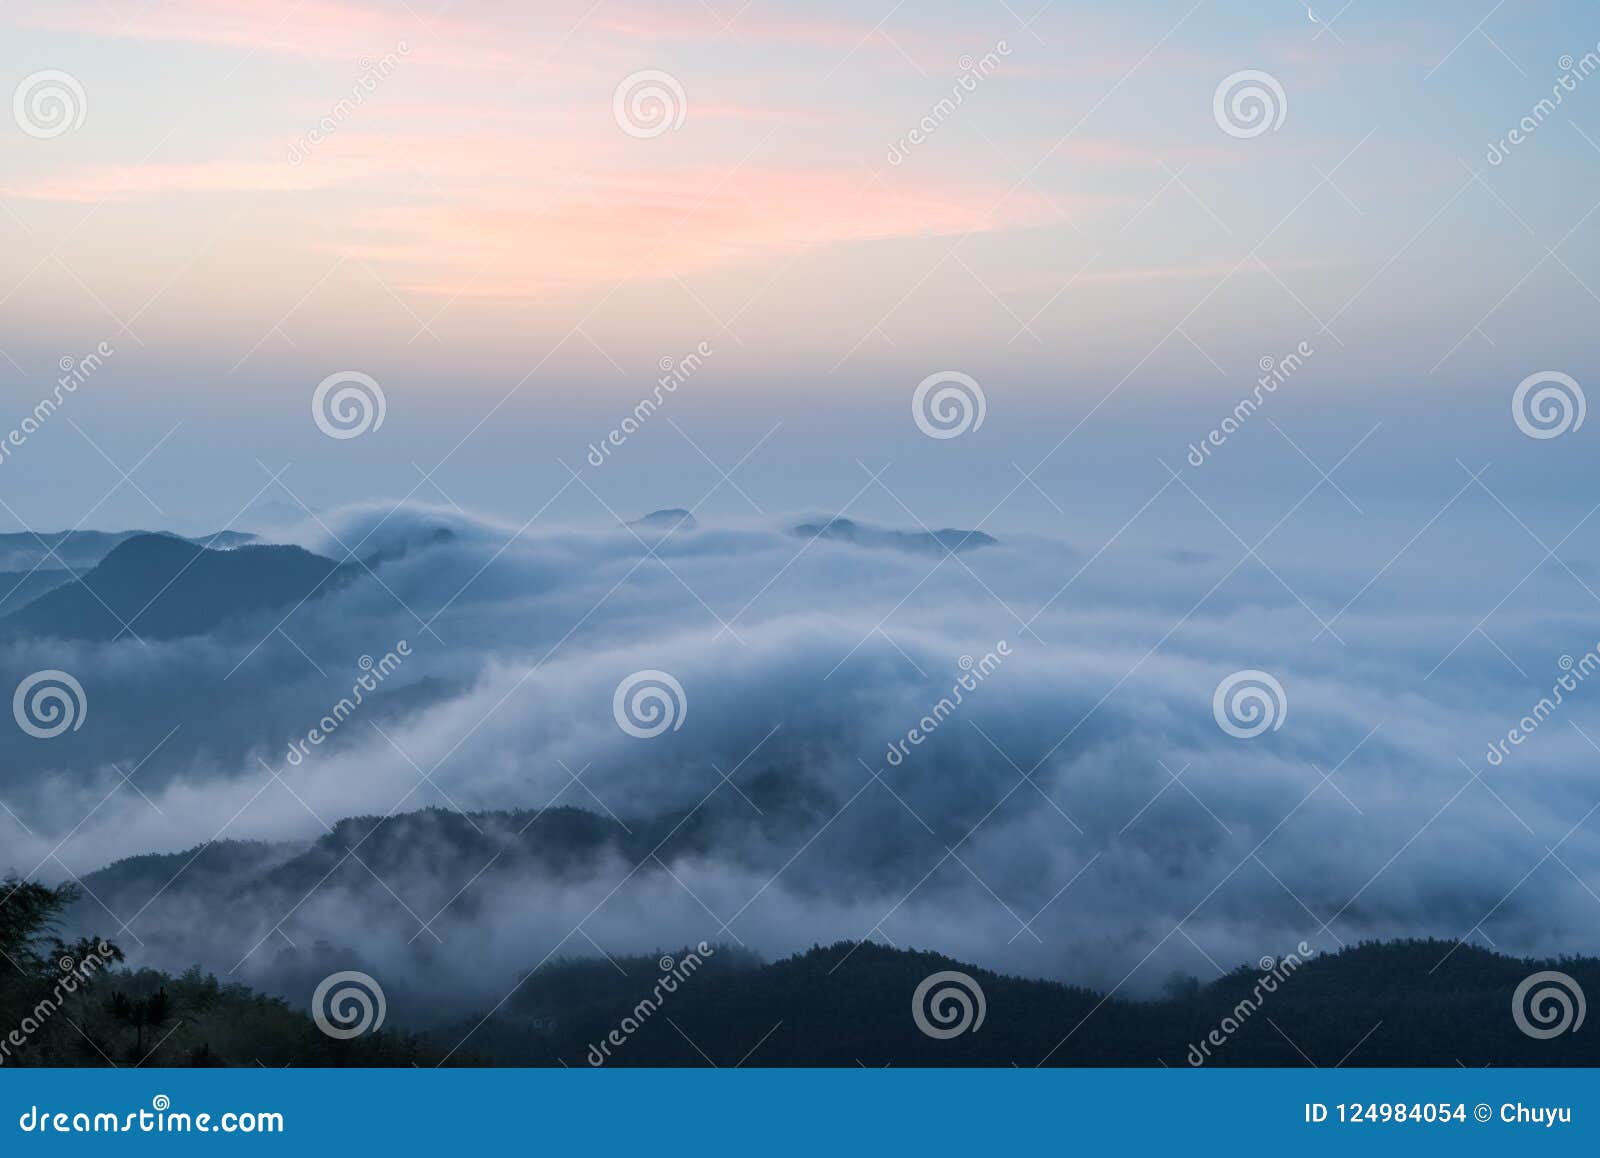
165	587
1400	1003
79	550
860	535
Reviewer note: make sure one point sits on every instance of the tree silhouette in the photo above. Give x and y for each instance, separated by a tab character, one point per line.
141	1013
38	970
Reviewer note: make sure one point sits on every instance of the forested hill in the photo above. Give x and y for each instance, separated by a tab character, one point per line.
1408	1003
1402	1003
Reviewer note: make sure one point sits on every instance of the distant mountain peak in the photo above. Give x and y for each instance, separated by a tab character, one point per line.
667	519
842	530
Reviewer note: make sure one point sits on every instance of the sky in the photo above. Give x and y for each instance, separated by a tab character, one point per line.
466	204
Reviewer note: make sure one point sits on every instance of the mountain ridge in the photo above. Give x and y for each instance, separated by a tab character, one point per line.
162	586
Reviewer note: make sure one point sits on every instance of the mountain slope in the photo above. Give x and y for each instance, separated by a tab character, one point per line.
20	588
164	587
423	857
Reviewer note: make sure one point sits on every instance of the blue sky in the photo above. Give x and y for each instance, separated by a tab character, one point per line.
1080	235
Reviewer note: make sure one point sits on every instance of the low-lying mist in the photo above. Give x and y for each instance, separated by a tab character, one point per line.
1008	754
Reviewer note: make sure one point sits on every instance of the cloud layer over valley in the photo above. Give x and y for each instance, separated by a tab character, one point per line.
1073	811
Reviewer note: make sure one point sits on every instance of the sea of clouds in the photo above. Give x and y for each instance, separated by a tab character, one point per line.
1080	814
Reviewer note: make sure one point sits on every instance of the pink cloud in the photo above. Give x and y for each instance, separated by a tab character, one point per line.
503	216
124	183
666	224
